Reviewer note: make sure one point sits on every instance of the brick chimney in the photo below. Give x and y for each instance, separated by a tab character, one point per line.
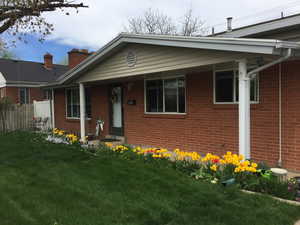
48	61
76	56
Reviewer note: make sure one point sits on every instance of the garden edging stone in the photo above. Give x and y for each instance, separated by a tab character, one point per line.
276	198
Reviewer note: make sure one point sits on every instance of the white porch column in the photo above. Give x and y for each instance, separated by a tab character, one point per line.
52	108
244	109
82	111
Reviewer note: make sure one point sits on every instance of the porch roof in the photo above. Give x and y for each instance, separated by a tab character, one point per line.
241	45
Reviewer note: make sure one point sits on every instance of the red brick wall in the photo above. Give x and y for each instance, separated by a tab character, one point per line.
208	127
291	115
34	94
99	110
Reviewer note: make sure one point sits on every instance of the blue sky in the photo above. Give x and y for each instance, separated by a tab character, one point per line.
34	50
96	25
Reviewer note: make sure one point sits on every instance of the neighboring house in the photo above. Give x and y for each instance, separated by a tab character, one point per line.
21	80
206	94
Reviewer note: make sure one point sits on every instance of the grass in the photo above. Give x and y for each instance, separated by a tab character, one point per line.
43	183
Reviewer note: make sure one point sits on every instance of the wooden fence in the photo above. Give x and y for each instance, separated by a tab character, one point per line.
19	117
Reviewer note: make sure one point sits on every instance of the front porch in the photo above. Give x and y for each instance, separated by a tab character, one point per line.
195	94
121	122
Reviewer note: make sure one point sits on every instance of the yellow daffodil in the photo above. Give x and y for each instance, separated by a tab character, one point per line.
214	167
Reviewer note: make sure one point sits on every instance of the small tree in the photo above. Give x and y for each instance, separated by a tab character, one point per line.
5	106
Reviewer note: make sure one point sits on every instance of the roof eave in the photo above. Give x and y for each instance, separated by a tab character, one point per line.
259	46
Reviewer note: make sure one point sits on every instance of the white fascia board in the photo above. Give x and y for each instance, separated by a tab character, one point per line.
234	47
260	46
24	84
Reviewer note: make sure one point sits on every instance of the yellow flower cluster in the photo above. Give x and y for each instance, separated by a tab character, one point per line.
120	148
214	167
214	162
246	166
233	159
210	157
230	159
237	161
155	152
181	155
72	138
58	132
161	153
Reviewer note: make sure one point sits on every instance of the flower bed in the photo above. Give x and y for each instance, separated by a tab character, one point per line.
226	170
229	169
61	136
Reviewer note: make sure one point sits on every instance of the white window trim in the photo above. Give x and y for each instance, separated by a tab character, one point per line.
165	113
66	106
28	93
234	102
66	103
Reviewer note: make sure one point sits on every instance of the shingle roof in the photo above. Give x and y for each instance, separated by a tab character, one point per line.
18	70
256	29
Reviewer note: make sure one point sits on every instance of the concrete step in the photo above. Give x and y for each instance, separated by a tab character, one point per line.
115	138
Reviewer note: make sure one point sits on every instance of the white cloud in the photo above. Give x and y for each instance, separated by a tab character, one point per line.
104	19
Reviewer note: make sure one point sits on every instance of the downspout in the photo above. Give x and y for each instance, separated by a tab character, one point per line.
280	114
253	73
52	108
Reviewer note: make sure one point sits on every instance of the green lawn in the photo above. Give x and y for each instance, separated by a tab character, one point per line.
42	183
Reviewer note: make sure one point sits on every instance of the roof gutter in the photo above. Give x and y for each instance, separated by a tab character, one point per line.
252	73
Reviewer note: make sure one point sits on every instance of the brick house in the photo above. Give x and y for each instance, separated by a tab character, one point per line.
235	91
21	81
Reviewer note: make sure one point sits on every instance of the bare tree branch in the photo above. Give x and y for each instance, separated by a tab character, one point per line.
21	16
152	22
191	25
155	22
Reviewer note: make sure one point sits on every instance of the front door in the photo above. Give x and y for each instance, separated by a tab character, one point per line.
116	111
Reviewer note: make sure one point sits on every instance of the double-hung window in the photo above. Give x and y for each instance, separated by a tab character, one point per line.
226	87
73	103
165	95
24	95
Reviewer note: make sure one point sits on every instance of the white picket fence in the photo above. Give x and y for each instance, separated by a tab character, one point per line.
19	117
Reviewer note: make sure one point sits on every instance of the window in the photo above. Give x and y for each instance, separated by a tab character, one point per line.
73	103
24	95
165	95
227	87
